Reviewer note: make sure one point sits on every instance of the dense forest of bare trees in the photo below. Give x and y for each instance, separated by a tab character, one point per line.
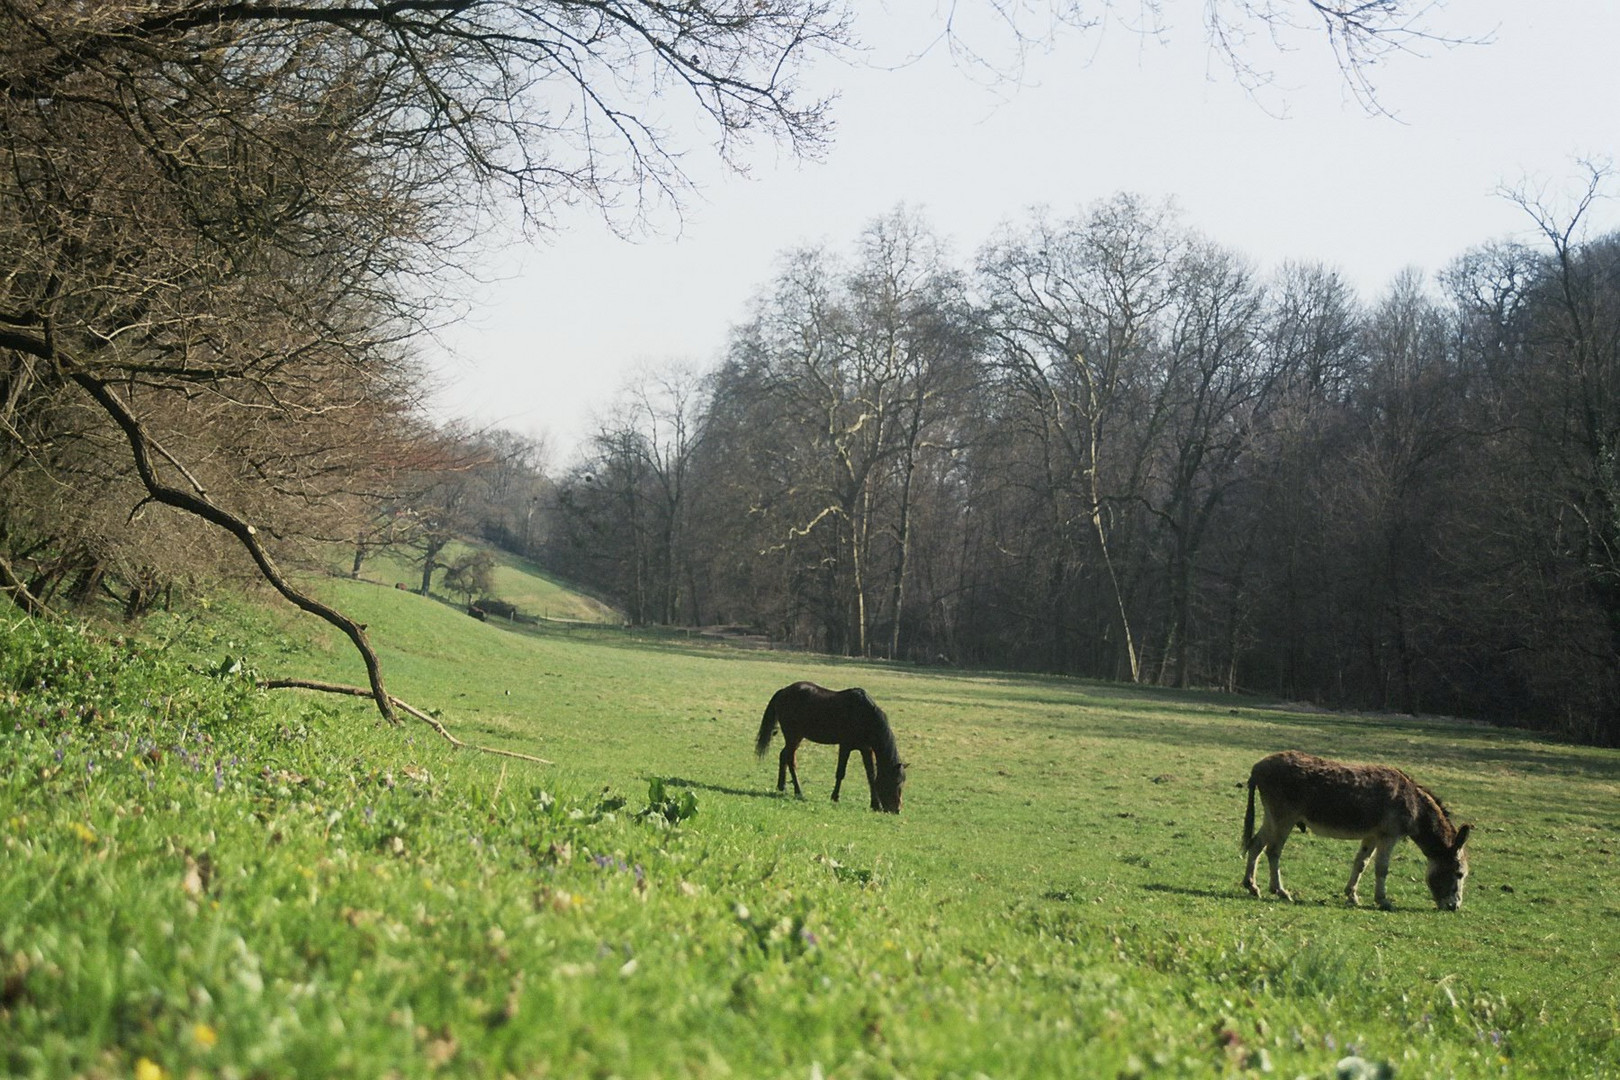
1109	447
1102	446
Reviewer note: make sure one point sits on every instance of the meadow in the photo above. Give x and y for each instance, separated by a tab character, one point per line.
206	879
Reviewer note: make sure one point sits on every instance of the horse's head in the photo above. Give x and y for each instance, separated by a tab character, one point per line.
1448	870
891	778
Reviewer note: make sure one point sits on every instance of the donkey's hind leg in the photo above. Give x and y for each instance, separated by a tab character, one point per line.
1253	856
1274	849
1356	868
1257	844
1270	839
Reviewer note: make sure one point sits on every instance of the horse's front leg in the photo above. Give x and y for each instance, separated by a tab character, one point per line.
869	759
843	764
1356	868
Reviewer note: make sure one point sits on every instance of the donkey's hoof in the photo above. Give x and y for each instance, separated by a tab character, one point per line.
1352	899
1385	905
1249	887
1284	894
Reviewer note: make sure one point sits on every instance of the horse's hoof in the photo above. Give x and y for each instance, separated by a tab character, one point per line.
1385	905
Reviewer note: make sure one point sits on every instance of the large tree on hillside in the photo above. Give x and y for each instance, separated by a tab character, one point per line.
222	221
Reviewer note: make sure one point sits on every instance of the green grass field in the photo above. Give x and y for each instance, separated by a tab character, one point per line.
202	879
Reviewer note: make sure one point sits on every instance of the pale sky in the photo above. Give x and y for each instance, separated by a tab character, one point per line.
1298	172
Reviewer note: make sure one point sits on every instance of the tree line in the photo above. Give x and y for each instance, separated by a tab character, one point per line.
1109	447
226	226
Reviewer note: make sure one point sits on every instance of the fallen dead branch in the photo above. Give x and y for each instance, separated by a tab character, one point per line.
403	706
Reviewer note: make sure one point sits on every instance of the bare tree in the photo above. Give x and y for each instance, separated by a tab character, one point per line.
248	205
1074	309
1215	386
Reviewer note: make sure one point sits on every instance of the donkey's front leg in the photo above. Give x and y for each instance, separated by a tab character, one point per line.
1381	869
1356	868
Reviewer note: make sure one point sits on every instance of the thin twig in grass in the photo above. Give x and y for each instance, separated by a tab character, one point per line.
404	706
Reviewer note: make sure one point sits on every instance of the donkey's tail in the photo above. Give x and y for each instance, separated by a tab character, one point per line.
767	728
1248	817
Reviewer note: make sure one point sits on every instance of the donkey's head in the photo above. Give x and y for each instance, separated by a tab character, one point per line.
891	778
1448	870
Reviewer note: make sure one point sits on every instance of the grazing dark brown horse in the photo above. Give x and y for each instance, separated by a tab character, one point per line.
1375	804
847	717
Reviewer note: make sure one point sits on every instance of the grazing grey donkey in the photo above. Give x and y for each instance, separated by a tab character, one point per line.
1375	804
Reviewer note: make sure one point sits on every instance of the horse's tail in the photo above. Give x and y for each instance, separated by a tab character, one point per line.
767	728
1248	817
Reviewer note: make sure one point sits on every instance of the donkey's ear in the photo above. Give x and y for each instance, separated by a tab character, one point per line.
1462	836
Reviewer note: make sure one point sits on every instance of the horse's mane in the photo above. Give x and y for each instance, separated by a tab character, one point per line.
883	744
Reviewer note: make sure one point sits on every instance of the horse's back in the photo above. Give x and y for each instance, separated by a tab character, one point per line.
813	712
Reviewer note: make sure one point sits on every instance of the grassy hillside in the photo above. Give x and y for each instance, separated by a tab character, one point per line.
515	580
289	888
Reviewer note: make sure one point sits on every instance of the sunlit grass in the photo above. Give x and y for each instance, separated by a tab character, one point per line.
288	887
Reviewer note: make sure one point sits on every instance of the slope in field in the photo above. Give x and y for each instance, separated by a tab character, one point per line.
515	580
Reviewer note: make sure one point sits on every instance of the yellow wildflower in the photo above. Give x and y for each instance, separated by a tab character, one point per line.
147	1069
84	832
204	1035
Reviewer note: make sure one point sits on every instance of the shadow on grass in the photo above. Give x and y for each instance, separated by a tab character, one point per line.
683	782
1234	893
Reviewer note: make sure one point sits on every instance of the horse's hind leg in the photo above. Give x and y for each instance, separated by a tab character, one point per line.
843	764
1356	868
787	765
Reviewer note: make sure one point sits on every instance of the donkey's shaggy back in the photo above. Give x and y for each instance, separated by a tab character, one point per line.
1375	804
